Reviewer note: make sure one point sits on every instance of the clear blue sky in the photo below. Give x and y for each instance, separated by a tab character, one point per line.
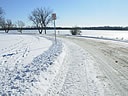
72	12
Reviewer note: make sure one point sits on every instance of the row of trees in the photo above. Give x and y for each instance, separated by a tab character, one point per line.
40	17
6	24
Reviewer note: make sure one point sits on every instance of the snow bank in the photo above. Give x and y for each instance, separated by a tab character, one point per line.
33	78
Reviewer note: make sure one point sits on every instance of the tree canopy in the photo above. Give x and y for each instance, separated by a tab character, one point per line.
41	17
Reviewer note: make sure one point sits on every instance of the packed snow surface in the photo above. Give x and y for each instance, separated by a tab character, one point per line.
99	68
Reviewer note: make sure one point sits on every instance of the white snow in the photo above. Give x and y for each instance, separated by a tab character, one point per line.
21	49
104	76
111	34
36	65
27	64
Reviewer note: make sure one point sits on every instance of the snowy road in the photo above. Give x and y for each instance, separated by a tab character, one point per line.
93	68
32	65
71	80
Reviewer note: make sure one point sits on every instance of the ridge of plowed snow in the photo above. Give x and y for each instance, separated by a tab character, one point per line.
23	79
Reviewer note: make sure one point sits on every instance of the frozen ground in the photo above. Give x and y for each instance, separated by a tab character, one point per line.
73	66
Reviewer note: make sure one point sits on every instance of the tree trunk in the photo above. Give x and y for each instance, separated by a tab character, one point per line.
6	31
40	31
21	30
45	29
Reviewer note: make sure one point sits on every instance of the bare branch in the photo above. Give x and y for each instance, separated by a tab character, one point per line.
41	18
6	25
20	24
2	21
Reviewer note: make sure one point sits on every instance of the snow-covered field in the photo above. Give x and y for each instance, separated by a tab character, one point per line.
36	65
25	62
119	35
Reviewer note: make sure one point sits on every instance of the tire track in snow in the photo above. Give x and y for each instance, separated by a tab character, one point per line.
76	83
114	84
72	77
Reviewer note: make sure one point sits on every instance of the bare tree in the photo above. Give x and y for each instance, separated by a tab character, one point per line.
1	17
20	25
41	18
6	25
1	13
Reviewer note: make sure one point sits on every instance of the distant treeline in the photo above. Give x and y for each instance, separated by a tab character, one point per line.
105	28
70	28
